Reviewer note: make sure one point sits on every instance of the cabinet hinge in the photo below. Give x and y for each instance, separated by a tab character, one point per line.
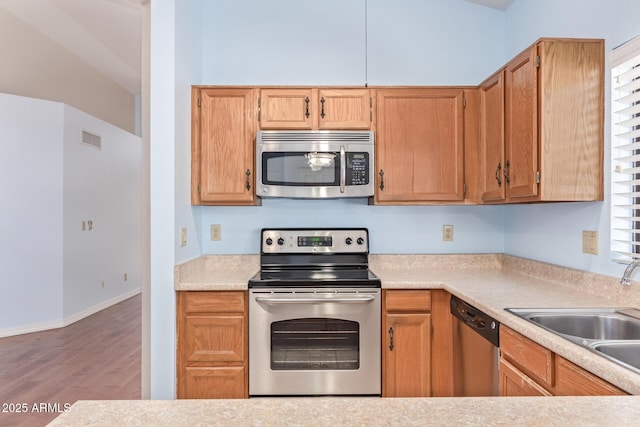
537	177
464	189
464	102
538	61
199	192
259	109
370	109
199	102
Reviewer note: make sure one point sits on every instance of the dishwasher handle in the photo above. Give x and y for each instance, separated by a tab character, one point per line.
480	322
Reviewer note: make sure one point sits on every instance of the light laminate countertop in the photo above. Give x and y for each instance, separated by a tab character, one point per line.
490	282
337	412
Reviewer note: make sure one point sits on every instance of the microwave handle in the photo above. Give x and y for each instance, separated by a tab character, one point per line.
343	169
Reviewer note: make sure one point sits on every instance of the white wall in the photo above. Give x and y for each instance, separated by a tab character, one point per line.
101	185
35	66
553	232
31	216
49	184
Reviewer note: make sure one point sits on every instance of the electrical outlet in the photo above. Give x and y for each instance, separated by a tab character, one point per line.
126	277
102	284
447	233
216	232
183	236
590	242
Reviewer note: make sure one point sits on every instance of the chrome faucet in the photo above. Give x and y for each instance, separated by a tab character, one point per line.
626	277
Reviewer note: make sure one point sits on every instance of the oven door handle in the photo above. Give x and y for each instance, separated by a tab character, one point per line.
341	300
343	169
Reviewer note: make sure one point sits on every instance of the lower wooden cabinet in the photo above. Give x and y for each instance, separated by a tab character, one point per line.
212	333
213	383
572	380
406	355
529	369
515	383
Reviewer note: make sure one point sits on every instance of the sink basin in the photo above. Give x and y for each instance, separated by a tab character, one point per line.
593	326
626	352
613	333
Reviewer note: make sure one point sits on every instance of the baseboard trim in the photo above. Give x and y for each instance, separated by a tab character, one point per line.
55	324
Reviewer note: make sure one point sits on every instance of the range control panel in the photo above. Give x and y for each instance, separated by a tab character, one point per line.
341	240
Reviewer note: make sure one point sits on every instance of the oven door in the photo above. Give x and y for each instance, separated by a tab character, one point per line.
314	342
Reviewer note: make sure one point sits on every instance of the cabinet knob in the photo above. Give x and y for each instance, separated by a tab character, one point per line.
498	169
381	173
306	108
391	338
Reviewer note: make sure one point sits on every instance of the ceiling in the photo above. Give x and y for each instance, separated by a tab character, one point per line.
106	34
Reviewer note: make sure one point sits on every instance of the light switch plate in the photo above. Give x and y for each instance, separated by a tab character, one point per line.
590	242
216	232
183	236
447	233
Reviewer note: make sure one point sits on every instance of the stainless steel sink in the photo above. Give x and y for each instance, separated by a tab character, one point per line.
613	333
627	353
591	326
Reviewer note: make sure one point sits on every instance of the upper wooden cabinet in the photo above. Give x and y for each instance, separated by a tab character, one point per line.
419	145
223	132
491	154
553	119
310	108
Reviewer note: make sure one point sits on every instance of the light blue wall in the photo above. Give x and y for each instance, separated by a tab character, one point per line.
286	42
392	229
553	232
410	42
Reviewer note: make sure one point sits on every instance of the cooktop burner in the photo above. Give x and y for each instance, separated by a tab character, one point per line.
314	258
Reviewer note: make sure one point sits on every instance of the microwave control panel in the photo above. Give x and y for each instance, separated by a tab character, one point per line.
357	168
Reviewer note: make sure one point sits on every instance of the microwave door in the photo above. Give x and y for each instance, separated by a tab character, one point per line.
301	169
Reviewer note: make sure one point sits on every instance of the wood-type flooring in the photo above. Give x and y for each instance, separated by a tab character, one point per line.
97	358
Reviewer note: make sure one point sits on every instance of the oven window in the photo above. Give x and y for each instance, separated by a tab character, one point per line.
301	169
315	344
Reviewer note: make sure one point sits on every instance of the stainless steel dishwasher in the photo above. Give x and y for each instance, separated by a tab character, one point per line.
476	341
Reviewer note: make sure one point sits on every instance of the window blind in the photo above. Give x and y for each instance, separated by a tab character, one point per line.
625	153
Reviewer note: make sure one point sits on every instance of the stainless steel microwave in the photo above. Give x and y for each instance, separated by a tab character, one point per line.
314	164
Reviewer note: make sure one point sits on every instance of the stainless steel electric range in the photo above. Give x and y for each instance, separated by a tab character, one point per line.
314	315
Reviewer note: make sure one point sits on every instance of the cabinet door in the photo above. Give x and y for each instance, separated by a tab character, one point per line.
214	383
530	357
515	383
420	145
407	361
212	343
521	125
223	150
344	109
287	108
492	138
214	338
